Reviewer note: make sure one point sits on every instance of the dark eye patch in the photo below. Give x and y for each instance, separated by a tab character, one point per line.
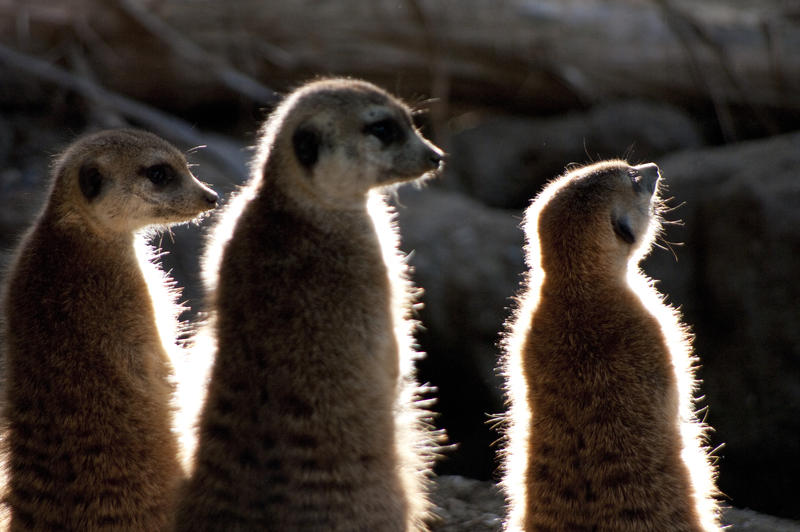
623	229
160	174
306	141
388	131
91	181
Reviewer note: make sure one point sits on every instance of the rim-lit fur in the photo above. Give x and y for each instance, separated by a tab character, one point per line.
89	325
313	419
601	432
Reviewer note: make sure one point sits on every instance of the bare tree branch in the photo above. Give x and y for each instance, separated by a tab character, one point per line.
226	154
189	51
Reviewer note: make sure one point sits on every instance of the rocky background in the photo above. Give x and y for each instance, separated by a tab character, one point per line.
514	90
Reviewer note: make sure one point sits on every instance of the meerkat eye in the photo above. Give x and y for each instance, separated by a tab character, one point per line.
636	180
160	174
388	131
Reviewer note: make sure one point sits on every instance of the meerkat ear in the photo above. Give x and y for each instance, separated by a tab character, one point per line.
306	142
622	226
91	181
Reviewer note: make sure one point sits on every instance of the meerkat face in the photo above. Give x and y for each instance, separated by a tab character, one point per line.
348	137
633	209
606	210
128	179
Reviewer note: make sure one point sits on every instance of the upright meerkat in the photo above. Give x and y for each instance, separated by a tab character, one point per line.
89	444
310	422
602	433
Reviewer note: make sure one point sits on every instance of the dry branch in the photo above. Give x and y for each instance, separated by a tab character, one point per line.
539	54
185	49
530	52
228	156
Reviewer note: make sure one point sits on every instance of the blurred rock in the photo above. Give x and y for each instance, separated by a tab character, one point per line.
504	161
468	259
6	141
750	521
467	505
28	141
735	281
24	191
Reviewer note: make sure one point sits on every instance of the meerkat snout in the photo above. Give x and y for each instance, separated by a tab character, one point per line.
212	198
421	157
185	191
648	175
434	157
208	196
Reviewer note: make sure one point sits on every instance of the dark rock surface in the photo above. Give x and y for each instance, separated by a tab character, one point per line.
468	259
468	505
734	279
504	161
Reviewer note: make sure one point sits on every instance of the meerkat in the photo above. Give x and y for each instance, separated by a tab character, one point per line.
88	438
602	431
312	420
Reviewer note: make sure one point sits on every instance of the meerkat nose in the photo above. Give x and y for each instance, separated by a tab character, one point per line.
650	175
211	197
435	157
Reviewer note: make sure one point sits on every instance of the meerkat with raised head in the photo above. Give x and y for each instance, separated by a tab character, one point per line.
602	433
310	422
87	393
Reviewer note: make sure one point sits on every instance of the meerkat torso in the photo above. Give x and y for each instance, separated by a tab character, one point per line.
89	442
599	371
310	402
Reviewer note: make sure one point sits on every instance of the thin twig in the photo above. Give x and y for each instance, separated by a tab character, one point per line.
189	51
679	24
227	154
439	71
102	114
737	82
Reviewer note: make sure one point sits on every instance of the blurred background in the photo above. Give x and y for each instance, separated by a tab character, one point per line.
514	90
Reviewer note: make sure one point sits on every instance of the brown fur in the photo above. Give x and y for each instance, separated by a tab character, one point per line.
88	438
602	433
311	423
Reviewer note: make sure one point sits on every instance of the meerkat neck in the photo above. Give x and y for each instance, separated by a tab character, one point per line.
581	290
586	279
287	185
70	221
276	198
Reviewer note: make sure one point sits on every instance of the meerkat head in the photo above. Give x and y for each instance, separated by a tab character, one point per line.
123	180
342	137
599	215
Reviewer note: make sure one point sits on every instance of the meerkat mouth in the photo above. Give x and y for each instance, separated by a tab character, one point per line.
392	178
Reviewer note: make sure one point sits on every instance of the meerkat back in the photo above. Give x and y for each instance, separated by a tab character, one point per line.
311	421
88	441
601	431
